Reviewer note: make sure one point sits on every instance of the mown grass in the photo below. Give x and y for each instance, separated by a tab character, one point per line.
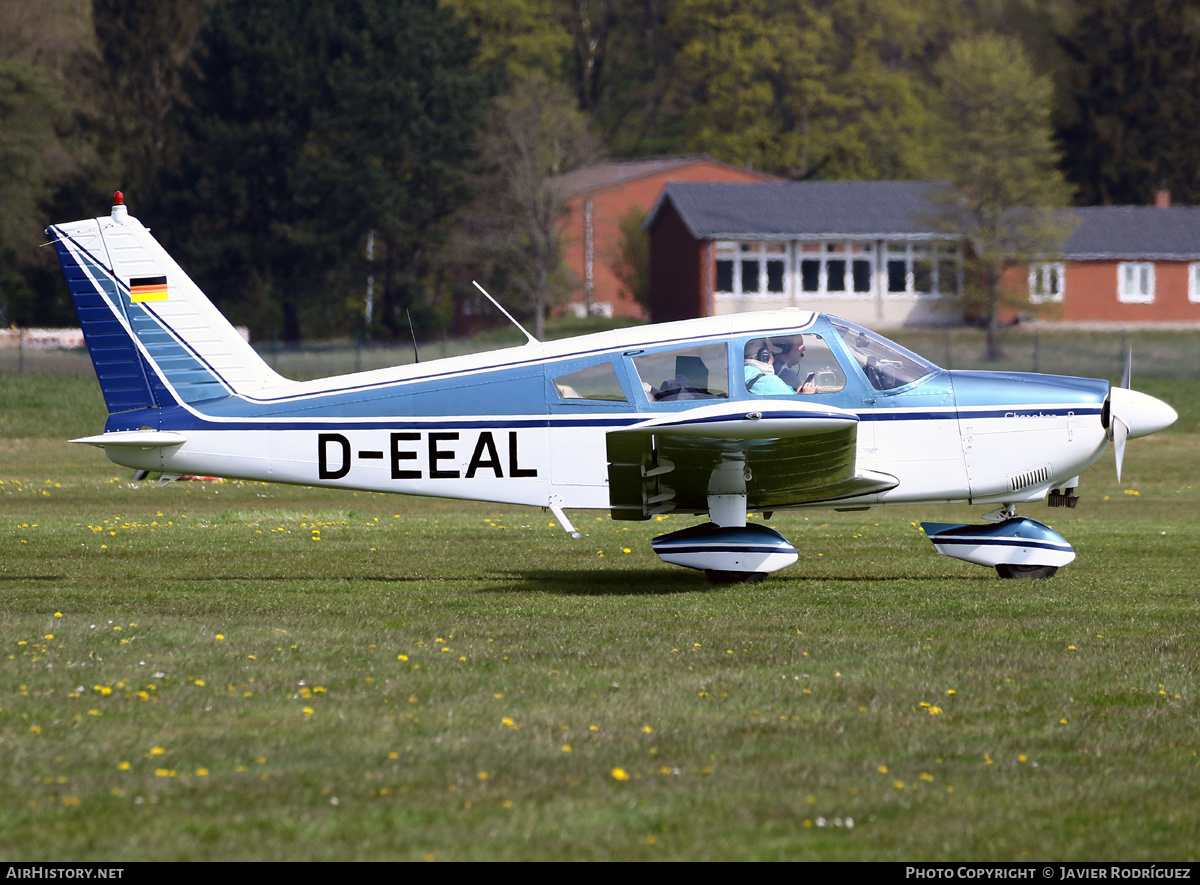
188	673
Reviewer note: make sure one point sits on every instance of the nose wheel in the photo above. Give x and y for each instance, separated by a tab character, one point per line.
1011	570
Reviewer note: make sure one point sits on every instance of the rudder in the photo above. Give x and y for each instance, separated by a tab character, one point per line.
154	338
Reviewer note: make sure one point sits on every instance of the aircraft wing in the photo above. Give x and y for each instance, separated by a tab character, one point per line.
793	453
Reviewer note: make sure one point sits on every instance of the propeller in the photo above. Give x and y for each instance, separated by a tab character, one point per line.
1129	414
1120	427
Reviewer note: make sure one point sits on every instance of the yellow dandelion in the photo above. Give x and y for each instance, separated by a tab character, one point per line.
308	711
619	774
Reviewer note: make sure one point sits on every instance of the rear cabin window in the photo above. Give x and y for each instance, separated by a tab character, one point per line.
699	372
593	383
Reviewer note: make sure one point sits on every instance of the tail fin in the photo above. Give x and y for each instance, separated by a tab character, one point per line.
153	336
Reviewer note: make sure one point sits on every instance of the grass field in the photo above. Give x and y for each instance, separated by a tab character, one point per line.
222	671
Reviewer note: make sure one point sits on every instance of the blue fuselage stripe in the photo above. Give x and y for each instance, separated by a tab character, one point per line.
959	541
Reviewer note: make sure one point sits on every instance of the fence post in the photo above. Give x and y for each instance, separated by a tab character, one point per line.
20	351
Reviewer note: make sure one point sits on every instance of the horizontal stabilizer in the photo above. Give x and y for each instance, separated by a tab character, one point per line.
141	439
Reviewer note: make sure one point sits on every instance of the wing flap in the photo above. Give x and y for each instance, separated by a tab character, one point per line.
794	454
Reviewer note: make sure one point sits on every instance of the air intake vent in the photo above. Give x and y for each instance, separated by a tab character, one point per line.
1029	478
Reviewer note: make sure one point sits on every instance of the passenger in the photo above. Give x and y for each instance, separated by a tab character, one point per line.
760	376
790	350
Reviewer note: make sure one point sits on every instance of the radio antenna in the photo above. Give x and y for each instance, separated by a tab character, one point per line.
531	339
416	354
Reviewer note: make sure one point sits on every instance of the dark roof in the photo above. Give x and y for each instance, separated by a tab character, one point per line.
603	175
902	209
1144	232
895	209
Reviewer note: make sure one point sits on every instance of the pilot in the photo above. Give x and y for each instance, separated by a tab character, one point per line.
790	351
761	379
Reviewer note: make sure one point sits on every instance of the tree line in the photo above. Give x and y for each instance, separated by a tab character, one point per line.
269	142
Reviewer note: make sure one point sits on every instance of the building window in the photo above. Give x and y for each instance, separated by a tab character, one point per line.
1135	282
835	269
1194	282
751	269
1046	283
922	269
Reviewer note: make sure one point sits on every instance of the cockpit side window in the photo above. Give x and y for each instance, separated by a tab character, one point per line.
597	382
698	372
795	363
886	364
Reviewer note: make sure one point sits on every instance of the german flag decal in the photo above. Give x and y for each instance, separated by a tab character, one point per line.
148	289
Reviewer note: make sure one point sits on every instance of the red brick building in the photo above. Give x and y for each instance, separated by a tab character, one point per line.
867	251
598	196
1126	264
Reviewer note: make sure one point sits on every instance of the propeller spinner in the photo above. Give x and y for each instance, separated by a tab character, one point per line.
1129	414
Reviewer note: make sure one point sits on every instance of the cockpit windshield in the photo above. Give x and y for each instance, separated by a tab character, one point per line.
886	364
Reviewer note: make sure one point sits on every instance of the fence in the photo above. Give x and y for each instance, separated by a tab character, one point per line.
1055	351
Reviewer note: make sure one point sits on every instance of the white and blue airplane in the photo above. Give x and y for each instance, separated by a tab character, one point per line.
755	412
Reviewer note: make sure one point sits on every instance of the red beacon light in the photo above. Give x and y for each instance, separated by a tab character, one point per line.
119	211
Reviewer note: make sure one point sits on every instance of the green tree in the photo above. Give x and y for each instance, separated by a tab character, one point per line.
30	105
41	45
631	263
313	125
144	50
824	89
521	37
999	159
531	135
1131	106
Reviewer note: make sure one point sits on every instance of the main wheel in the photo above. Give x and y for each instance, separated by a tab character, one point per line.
716	576
1009	570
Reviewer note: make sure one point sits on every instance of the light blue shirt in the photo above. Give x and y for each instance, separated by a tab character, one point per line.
762	383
